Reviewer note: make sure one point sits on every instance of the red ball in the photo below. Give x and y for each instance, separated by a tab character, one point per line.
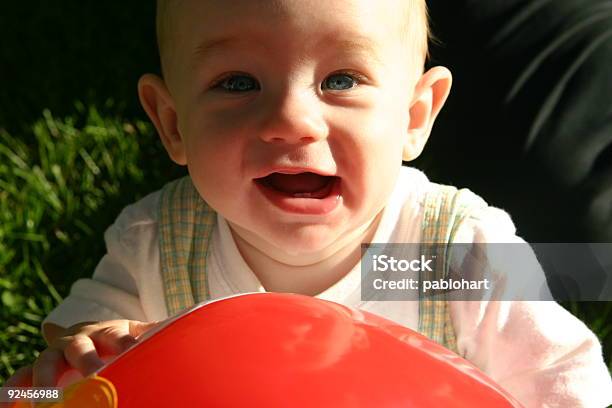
281	350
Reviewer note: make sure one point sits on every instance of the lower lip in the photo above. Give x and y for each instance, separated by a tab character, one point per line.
300	205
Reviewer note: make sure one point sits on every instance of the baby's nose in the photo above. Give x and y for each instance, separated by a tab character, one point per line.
294	118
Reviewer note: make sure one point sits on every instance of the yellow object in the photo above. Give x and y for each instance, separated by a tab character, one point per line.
91	392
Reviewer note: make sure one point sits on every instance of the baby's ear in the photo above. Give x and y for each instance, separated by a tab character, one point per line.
159	105
429	96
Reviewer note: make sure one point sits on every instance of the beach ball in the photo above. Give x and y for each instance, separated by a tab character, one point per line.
284	350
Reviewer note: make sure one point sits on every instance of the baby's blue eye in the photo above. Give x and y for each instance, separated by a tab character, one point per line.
339	82
238	83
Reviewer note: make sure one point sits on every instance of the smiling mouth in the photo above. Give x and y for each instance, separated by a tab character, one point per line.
300	185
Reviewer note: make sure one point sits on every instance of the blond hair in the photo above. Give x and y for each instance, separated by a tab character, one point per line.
417	27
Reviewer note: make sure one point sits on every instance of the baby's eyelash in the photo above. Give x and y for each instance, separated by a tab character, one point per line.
359	77
219	80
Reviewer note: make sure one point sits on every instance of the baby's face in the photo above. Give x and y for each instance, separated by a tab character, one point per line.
293	113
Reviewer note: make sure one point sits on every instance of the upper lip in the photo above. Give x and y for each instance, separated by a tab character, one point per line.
293	170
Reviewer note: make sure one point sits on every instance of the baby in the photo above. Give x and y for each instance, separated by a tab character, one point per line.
293	118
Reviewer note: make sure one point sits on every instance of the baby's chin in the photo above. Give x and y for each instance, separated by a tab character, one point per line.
307	242
293	244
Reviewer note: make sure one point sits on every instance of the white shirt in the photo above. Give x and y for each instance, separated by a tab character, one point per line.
537	351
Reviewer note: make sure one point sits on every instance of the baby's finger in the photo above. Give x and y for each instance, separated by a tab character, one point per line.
48	367
116	339
80	352
112	340
137	328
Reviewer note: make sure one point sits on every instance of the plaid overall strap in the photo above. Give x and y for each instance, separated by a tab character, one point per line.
445	208
186	223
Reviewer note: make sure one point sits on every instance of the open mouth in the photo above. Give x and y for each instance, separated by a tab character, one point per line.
300	185
302	193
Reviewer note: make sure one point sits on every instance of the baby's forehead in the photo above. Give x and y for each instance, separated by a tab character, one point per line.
208	16
173	15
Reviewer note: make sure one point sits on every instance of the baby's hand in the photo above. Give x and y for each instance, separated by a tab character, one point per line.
81	346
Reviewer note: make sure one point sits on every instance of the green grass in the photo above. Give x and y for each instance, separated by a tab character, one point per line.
66	169
57	195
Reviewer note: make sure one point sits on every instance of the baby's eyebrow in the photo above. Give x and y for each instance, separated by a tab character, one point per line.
355	44
216	45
